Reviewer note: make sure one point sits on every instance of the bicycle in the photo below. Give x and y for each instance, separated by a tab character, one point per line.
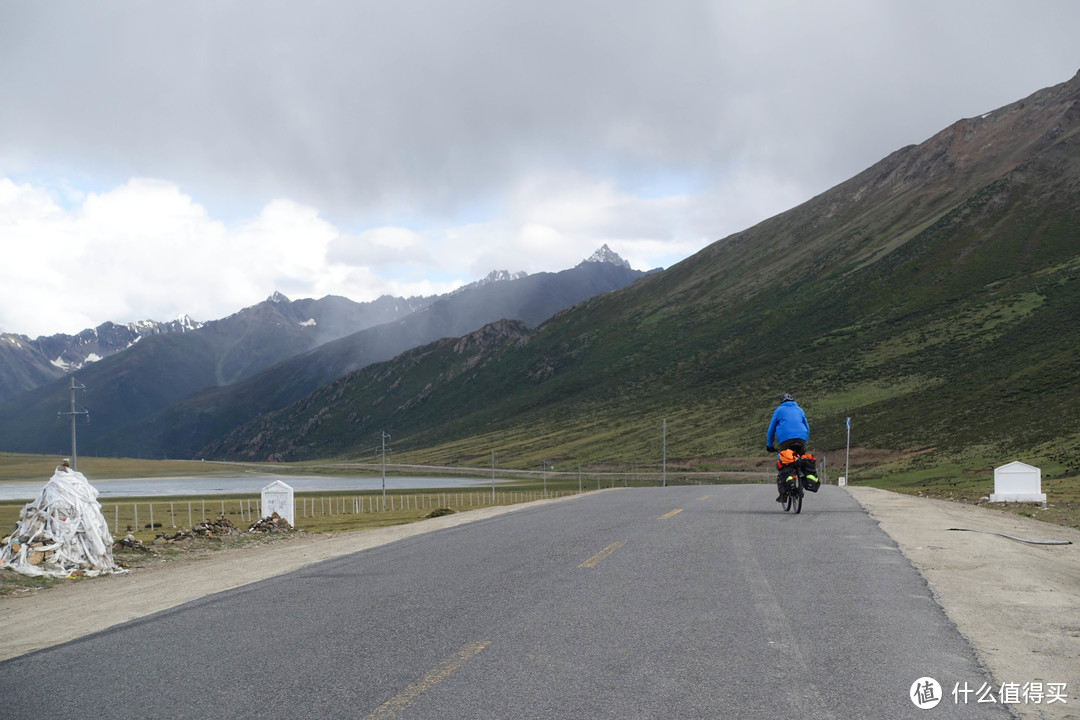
792	489
796	478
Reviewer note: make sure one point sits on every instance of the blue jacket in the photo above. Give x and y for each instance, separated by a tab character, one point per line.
788	421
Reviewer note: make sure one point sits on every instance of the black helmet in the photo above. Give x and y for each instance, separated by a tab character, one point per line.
787	398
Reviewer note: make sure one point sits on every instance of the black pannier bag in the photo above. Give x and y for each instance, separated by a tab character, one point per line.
787	479
808	465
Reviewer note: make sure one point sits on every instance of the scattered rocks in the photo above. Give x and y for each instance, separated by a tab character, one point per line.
130	543
221	526
181	535
274	523
439	512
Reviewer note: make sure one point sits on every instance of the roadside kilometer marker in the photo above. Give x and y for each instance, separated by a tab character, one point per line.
403	699
592	562
673	512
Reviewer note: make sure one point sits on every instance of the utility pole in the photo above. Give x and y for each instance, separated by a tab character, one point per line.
847	456
73	412
385	437
664	465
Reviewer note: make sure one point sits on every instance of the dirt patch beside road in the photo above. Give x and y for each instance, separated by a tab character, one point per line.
1017	603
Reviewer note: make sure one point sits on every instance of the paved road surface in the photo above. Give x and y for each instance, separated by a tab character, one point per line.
685	602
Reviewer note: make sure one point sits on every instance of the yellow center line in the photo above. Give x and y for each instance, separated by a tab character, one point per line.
402	700
591	562
673	512
704	497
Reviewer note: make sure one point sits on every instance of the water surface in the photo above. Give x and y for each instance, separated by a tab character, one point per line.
253	484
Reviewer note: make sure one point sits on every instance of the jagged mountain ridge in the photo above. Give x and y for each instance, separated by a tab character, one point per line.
932	296
165	368
134	392
607	255
26	364
182	430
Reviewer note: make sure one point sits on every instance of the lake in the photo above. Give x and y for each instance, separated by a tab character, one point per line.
248	484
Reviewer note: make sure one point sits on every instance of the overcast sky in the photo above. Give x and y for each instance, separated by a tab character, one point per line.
193	157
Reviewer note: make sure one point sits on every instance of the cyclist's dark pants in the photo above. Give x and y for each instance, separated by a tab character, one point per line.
796	445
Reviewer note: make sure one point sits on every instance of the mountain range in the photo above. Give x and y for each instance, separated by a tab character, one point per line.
169	394
931	299
26	364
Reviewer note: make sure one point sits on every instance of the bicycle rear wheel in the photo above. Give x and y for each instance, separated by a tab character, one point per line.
798	500
789	501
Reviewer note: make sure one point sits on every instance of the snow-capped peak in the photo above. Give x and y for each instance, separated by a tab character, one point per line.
501	276
277	298
186	323
492	277
607	255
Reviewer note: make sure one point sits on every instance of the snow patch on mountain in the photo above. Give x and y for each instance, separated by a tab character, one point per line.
495	276
607	255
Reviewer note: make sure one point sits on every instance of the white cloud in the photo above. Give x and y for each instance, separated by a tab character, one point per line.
147	250
380	246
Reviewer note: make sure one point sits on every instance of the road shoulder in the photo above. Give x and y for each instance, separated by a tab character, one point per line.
1015	602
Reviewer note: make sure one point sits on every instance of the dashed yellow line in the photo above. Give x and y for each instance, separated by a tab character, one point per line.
403	699
592	562
704	497
673	512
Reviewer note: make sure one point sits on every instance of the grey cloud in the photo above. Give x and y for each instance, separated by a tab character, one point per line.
377	110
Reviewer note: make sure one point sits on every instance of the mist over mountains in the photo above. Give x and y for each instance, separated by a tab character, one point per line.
170	394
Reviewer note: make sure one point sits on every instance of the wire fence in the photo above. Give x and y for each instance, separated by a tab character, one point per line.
141	517
147	518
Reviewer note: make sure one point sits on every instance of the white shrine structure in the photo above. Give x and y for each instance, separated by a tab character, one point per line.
1018	482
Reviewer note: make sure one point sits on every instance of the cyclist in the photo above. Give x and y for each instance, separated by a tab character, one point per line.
788	430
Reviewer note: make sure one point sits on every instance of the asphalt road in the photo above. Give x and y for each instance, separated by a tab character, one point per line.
684	602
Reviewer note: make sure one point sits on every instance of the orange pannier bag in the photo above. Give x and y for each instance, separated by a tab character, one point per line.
786	458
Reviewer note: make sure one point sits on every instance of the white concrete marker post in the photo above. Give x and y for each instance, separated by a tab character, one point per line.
1018	482
277	497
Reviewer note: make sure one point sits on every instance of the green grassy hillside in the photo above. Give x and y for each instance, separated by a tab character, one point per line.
933	298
